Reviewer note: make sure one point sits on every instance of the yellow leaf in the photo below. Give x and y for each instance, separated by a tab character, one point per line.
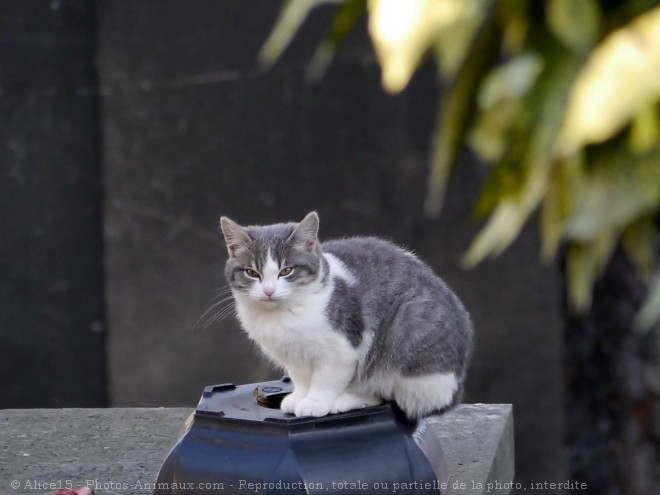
402	31
620	79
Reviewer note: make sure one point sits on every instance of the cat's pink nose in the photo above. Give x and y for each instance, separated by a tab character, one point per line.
268	291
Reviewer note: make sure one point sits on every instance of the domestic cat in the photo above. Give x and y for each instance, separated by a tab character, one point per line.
352	321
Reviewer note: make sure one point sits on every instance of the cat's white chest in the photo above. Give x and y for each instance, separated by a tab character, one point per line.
294	334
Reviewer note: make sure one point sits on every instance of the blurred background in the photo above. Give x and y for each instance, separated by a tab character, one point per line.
128	127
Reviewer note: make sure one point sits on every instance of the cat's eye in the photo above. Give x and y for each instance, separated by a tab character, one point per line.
286	271
252	273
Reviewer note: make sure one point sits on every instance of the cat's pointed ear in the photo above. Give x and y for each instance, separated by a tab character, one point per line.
236	237
305	235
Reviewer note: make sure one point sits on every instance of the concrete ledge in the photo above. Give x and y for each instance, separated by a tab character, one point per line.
478	442
119	451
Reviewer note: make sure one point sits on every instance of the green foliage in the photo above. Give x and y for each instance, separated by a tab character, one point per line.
291	18
562	97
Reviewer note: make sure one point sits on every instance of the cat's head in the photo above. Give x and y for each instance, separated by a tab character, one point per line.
273	264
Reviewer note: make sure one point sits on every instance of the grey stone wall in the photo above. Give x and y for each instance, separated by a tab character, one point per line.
51	287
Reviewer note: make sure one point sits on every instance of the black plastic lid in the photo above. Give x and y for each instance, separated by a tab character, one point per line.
261	403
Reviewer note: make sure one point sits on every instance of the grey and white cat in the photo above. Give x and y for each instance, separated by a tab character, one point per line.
352	321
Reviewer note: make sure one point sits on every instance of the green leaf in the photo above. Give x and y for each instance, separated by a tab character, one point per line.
509	175
501	105
649	315
292	15
584	263
513	209
344	20
620	79
502	228
512	80
565	177
638	241
645	130
490	137
575	23
513	16
618	187
454	39
580	275
454	112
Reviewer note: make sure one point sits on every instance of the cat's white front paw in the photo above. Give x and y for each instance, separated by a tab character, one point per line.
349	402
290	402
310	407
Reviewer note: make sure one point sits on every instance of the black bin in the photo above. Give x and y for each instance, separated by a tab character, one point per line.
239	442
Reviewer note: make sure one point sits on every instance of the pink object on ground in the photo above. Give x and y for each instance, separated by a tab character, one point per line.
78	491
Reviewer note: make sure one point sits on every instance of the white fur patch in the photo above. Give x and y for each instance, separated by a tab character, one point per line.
271	268
339	269
416	395
422	395
270	281
295	329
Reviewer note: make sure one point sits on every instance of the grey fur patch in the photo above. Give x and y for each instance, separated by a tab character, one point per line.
345	314
420	326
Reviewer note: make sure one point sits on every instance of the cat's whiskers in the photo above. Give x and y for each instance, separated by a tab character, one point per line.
222	311
222	292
